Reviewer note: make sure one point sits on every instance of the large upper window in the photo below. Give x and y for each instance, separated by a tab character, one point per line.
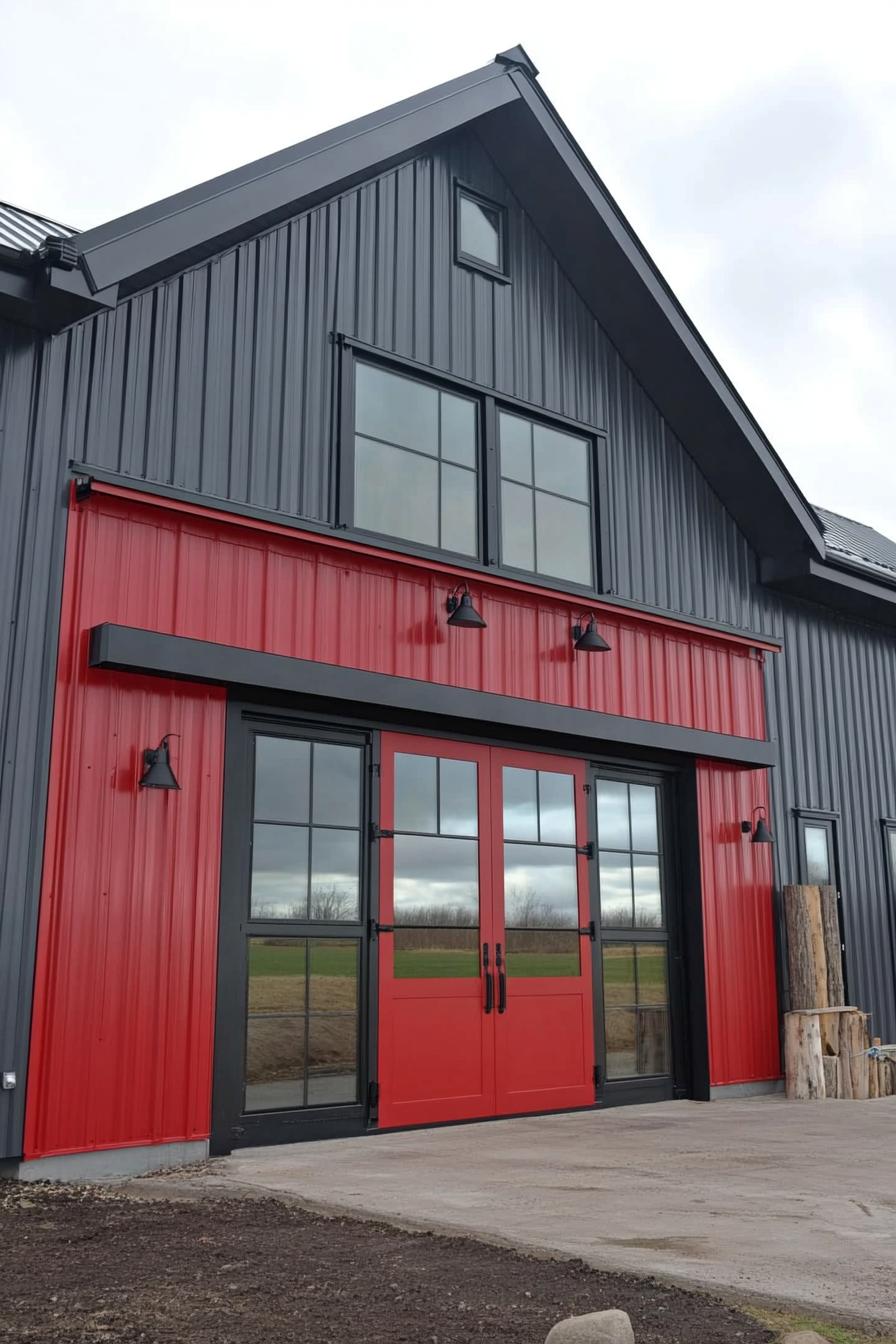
546	514
434	465
415	461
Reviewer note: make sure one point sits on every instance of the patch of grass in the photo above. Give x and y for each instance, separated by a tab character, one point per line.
783	1321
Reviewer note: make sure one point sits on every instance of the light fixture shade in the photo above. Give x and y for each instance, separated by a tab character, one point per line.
587	640
158	773
762	835
462	612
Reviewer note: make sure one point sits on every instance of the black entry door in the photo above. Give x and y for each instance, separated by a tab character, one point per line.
292	978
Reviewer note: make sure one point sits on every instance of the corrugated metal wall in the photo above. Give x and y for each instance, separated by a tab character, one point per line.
738	927
832	707
32	514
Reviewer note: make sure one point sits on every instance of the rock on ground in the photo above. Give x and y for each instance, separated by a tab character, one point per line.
601	1327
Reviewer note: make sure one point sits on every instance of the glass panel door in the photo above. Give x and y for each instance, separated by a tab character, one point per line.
544	1024
436	945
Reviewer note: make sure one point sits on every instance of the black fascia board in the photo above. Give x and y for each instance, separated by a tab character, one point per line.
124	648
160	238
837	589
621	284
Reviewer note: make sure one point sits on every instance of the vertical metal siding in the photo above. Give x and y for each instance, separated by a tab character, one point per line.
832	706
738	927
32	521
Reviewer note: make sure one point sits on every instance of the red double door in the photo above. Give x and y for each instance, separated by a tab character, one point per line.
484	954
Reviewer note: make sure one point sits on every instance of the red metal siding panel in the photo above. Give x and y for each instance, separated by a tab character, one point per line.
308	597
738	927
121	1046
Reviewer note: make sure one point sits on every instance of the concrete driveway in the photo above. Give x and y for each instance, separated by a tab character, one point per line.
763	1199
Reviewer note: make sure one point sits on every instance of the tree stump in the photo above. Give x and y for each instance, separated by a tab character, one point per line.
804	1077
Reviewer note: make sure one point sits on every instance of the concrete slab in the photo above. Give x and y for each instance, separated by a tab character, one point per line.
761	1198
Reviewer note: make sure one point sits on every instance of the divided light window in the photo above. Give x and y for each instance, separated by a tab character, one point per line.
416	461
435	466
546	505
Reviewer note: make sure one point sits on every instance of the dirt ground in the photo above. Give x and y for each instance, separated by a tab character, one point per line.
94	1264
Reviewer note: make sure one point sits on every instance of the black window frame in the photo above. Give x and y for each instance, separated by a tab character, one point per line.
488	471
469	259
823	821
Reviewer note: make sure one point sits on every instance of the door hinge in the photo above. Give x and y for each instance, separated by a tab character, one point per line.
374	927
596	1077
587	850
378	833
374	769
373	1095
586	788
589	930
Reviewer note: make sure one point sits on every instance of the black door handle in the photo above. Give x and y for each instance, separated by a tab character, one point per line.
489	983
502	979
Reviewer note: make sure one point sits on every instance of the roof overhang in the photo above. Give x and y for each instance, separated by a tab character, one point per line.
831	585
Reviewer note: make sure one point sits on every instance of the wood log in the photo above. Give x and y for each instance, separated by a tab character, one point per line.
833	952
803	1067
853	1056
831	1067
806	960
829	1025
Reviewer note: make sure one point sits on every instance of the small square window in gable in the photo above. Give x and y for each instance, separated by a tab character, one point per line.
480	228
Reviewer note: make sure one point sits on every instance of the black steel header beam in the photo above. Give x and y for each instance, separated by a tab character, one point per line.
124	648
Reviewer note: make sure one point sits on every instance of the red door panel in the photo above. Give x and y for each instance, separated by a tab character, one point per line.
436	1040
544	1038
485	979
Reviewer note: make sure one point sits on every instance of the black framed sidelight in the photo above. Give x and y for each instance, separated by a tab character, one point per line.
291	1044
641	1036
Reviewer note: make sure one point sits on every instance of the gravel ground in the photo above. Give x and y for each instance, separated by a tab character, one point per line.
92	1263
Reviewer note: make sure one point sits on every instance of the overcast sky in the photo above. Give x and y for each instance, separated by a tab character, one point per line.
752	147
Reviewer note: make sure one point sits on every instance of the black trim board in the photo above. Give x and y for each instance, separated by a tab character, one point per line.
127	649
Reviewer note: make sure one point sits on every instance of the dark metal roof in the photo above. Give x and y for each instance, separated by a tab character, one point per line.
25	231
858	545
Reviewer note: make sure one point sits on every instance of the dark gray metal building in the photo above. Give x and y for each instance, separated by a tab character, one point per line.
179	390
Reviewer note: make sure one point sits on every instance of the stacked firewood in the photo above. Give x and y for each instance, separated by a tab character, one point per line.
827	1048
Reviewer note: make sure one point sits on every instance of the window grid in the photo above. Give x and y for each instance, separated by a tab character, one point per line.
632	852
486	550
307	828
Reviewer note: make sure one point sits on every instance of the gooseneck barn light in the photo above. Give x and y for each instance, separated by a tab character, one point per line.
761	833
158	773
461	611
585	638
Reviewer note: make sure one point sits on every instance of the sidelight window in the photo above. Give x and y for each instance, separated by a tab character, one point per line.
634	937
306	832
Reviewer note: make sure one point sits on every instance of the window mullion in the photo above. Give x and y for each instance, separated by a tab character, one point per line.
490	485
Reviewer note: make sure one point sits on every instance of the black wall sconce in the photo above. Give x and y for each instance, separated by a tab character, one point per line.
585	638
461	610
761	833
158	773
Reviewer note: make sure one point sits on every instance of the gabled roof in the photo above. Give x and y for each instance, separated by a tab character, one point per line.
567	201
858	545
23	231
